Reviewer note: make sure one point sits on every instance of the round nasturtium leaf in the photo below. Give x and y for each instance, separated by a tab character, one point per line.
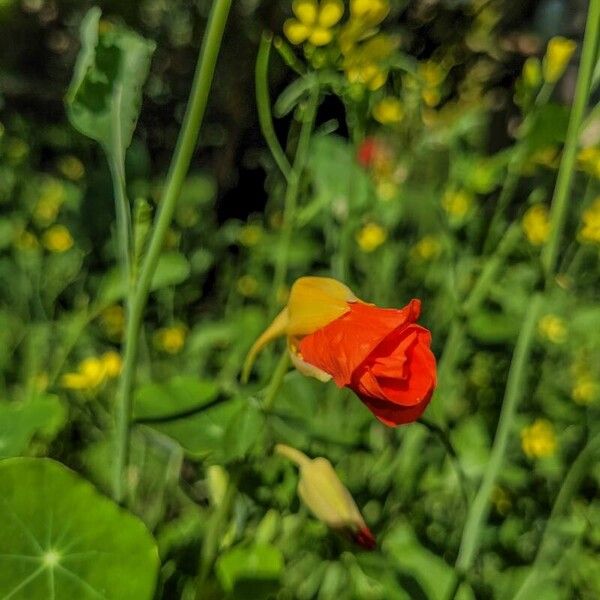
61	539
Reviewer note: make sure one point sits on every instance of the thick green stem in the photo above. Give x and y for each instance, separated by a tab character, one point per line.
560	200
263	104
291	194
568	489
180	163
515	387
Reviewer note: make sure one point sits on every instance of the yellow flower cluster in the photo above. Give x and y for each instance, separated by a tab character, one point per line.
536	224
590	224
57	239
370	237
538	440
71	167
92	372
552	328
170	339
558	54
364	50
585	388
432	76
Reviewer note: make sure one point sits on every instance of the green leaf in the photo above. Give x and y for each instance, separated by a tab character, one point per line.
250	572
43	416
105	94
172	269
179	395
62	540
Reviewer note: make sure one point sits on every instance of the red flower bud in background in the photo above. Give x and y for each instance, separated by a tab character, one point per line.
379	353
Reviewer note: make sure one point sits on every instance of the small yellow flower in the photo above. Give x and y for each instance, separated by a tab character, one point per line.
426	248
388	111
57	239
90	374
386	190
170	339
250	235
457	203
52	195
585	390
532	72
552	328
247	286
112	321
314	21
589	161
558	54
71	167
369	12
370	237
590	224
538	440
112	363
365	64
536	224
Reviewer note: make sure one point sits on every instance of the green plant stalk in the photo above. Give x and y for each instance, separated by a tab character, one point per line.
291	195
178	169
123	212
560	200
276	380
568	489
263	104
515	385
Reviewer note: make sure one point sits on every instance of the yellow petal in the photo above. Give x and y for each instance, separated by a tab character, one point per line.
320	36
295	31
316	301
331	12
305	10
276	329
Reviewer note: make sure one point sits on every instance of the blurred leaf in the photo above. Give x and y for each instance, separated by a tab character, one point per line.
548	127
471	441
243	432
180	394
250	572
172	269
42	415
61	539
493	327
105	94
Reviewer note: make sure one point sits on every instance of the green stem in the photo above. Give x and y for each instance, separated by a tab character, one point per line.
263	104
276	380
568	489
180	163
558	212
123	212
515	386
291	194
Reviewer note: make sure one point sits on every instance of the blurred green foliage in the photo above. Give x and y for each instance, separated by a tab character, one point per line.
398	200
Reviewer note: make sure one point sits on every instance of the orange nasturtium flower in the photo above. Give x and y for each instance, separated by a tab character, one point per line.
379	353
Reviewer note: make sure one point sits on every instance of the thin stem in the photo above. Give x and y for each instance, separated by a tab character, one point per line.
186	144
123	212
291	194
276	381
263	104
515	385
443	436
568	489
558	212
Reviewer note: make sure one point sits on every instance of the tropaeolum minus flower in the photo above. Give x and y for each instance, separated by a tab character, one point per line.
379	353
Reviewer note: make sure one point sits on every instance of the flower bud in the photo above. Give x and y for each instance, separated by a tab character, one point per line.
320	488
